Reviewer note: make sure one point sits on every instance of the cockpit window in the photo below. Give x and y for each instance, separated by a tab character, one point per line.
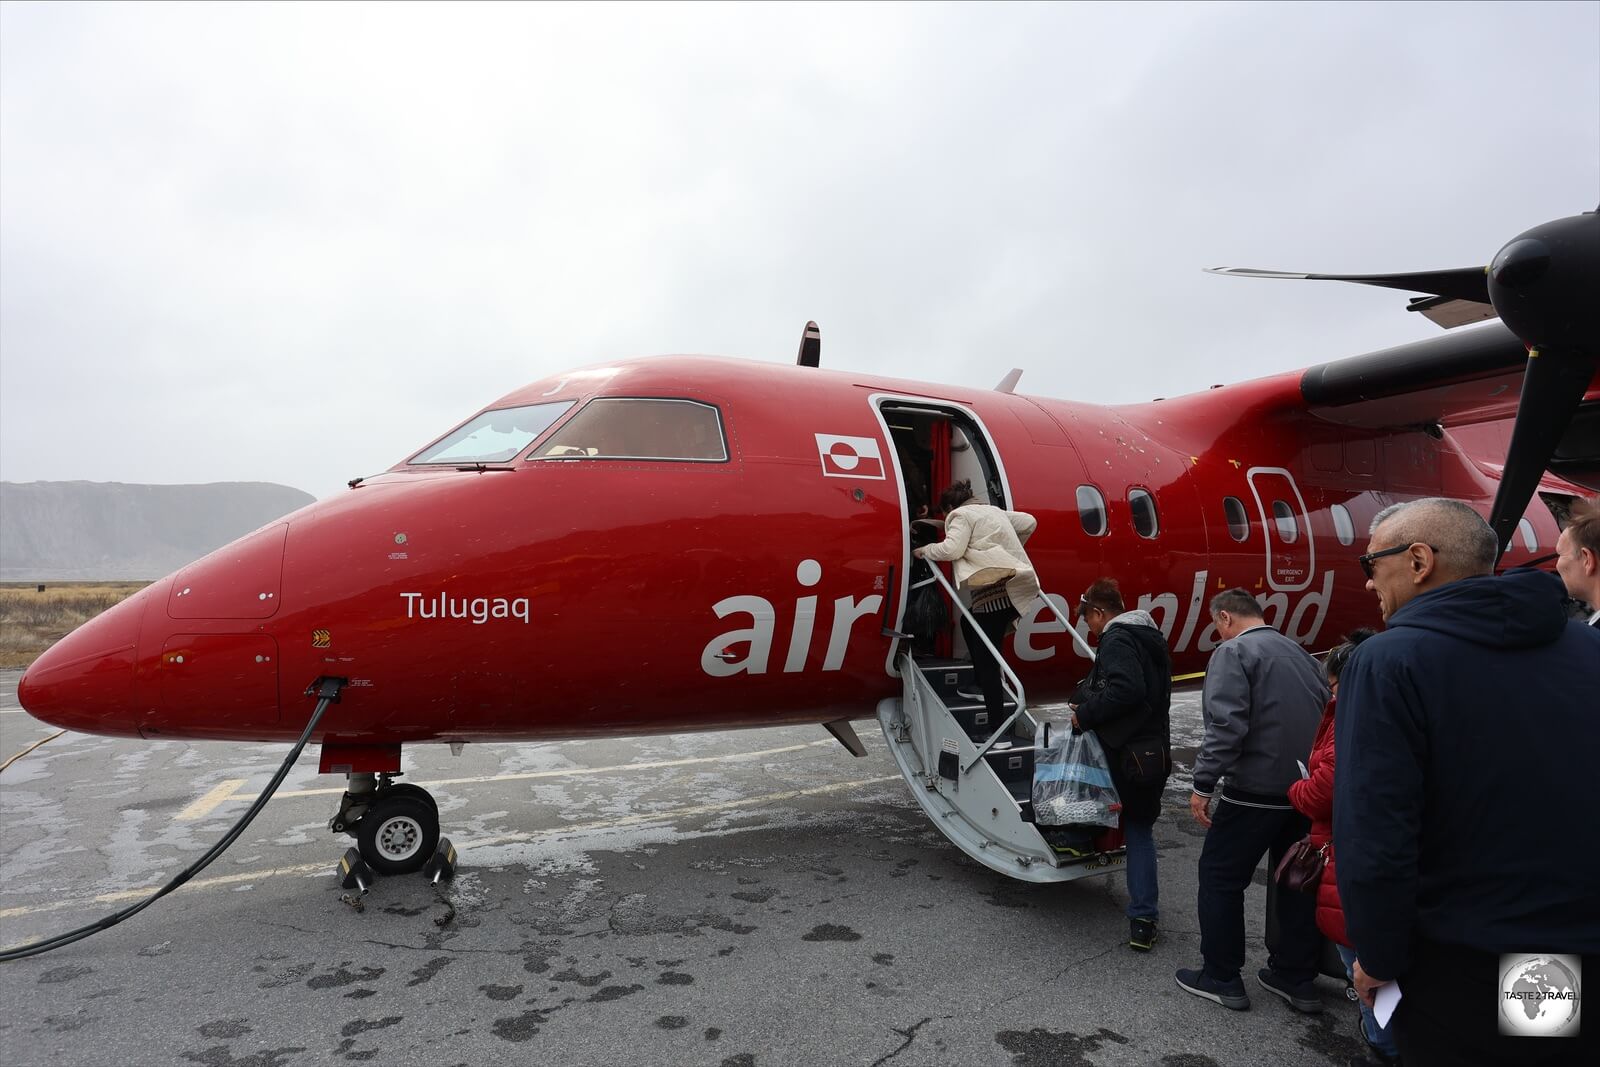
497	436
639	428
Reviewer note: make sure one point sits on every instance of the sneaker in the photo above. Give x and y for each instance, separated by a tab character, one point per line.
1142	934
1302	997
1229	994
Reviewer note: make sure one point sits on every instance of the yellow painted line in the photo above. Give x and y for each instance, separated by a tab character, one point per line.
139	894
208	803
1188	677
567	772
533	835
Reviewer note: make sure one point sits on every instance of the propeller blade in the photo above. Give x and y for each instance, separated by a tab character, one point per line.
1463	283
1552	388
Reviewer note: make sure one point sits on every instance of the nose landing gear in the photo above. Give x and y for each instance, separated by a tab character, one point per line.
396	825
398	833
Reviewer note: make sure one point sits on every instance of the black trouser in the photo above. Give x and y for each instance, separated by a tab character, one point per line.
986	667
1234	845
1449	1014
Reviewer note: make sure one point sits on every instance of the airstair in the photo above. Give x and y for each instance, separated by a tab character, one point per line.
974	777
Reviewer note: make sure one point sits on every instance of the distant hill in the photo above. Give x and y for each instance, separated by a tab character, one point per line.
109	530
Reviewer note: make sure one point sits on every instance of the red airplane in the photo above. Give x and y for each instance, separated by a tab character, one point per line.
688	543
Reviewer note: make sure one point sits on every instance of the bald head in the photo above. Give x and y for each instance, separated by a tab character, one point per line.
1464	544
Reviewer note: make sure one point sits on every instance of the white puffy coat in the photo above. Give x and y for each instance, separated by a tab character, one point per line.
986	544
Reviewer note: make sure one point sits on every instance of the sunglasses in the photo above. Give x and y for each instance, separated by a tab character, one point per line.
1367	559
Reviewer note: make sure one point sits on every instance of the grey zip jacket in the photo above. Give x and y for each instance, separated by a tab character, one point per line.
1263	699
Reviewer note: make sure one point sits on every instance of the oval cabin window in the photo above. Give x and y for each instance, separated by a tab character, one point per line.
1143	506
1525	528
1283	517
1342	526
1238	520
1092	511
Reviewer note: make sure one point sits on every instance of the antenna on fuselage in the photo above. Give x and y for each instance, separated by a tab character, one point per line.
810	346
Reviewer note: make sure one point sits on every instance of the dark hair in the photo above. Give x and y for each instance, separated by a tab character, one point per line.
958	493
1339	655
1105	595
1237	601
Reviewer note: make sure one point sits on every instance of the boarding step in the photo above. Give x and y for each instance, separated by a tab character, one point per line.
1011	759
1022	793
946	675
975	718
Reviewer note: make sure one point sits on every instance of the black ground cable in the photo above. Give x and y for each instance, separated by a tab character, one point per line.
327	693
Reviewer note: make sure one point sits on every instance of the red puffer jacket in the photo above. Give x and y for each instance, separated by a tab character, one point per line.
1313	798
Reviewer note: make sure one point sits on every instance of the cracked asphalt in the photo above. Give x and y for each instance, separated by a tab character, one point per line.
717	907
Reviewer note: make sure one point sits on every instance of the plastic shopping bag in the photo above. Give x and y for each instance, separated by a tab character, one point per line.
1072	780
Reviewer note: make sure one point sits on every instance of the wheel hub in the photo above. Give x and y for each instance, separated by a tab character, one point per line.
399	838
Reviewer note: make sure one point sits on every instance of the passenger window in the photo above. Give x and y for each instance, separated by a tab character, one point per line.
1288	528
1238	521
1342	526
636	428
1143	506
1525	528
1092	511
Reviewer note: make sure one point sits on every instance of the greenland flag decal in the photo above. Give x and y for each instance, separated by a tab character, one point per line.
849	457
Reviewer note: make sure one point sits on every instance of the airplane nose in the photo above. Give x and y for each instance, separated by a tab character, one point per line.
84	681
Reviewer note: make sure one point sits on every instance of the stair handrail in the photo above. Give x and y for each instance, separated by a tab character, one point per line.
1015	690
1007	675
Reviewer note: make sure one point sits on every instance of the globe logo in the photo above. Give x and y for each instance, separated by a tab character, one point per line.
1539	995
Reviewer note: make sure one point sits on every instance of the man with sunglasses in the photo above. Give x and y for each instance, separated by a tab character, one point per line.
1467	735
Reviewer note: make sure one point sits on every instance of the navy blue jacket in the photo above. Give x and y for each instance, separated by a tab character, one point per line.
1465	799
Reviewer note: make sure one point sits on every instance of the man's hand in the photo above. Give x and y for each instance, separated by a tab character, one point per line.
1367	986
917	552
1200	808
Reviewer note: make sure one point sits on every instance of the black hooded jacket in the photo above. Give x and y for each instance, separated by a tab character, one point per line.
1127	698
1464	803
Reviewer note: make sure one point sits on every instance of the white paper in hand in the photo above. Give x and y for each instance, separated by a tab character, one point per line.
1303	772
1388	997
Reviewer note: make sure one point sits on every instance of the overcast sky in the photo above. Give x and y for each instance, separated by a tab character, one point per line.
293	243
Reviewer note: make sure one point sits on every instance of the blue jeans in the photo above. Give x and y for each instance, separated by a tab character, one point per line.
1379	1036
1143	891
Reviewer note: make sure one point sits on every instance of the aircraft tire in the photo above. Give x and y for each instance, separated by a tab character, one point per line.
406	789
398	834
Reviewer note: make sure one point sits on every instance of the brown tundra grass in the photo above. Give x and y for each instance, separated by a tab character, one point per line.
31	621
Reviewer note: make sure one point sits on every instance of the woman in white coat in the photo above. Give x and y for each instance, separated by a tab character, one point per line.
986	544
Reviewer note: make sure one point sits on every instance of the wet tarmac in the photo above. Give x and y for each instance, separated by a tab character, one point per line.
743	898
